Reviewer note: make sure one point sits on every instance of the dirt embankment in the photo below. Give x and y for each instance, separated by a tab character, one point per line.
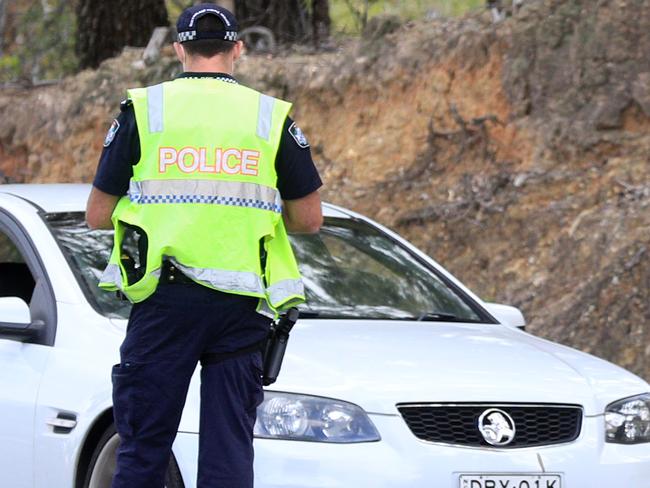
516	155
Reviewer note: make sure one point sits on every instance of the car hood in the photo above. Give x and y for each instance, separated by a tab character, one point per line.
378	364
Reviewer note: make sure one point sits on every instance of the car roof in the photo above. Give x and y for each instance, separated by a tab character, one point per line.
51	197
72	197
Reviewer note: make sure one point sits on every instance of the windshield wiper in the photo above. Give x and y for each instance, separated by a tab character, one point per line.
425	317
309	314
438	317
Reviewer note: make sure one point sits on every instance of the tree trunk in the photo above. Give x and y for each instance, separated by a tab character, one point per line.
320	21
287	19
104	28
3	18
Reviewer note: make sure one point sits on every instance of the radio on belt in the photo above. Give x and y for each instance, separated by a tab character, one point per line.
277	345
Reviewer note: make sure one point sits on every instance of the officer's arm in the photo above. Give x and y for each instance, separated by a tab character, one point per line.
114	171
99	209
303	215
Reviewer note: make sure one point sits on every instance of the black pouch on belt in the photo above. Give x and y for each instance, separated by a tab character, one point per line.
276	346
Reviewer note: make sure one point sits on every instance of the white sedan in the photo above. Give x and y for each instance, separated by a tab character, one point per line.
396	374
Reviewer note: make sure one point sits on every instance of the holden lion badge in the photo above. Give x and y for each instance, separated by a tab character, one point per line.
497	427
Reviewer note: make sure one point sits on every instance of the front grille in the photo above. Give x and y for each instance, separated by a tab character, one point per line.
535	425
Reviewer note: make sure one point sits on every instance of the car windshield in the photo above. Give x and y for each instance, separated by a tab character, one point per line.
350	269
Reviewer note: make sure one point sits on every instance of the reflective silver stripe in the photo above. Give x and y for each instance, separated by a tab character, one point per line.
135	190
265	116
155	108
112	275
238	281
244	282
264	309
283	290
234	193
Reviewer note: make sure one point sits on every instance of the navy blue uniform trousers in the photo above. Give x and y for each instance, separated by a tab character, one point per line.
166	337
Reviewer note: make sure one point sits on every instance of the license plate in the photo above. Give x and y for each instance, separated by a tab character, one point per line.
510	481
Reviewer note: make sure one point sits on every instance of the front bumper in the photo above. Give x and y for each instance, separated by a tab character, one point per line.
400	460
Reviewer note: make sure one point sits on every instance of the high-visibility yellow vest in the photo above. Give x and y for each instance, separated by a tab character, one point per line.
205	194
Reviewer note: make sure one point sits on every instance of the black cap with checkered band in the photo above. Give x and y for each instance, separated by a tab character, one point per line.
186	25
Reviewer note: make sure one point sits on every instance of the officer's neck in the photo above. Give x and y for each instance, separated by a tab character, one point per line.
216	64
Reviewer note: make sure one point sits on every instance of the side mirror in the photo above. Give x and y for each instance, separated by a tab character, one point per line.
14	310
15	320
507	315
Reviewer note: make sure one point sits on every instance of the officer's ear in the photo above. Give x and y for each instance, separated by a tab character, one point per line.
180	52
238	50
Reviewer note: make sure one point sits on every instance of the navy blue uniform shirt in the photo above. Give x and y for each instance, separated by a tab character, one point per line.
297	174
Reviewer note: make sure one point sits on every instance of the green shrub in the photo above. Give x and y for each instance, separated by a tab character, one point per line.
43	48
345	20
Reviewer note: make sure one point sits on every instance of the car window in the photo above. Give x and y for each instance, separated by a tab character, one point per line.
350	270
87	252
16	279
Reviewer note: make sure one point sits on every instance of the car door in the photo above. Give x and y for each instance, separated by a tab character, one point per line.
23	354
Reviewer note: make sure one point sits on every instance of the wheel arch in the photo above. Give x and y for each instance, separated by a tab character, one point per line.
103	422
95	433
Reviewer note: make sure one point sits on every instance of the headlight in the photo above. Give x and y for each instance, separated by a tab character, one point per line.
628	421
307	418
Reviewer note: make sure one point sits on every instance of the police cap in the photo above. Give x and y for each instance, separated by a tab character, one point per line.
186	25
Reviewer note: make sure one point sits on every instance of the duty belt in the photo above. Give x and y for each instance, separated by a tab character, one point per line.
171	274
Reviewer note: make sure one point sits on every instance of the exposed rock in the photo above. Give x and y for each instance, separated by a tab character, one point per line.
160	37
515	154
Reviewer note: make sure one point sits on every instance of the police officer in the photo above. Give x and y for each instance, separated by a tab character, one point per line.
206	176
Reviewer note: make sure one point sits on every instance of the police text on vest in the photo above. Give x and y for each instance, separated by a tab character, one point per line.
194	160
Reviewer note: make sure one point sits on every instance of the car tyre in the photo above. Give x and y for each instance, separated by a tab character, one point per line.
102	464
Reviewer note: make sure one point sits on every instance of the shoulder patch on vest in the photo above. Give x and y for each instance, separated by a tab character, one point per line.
298	136
112	132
